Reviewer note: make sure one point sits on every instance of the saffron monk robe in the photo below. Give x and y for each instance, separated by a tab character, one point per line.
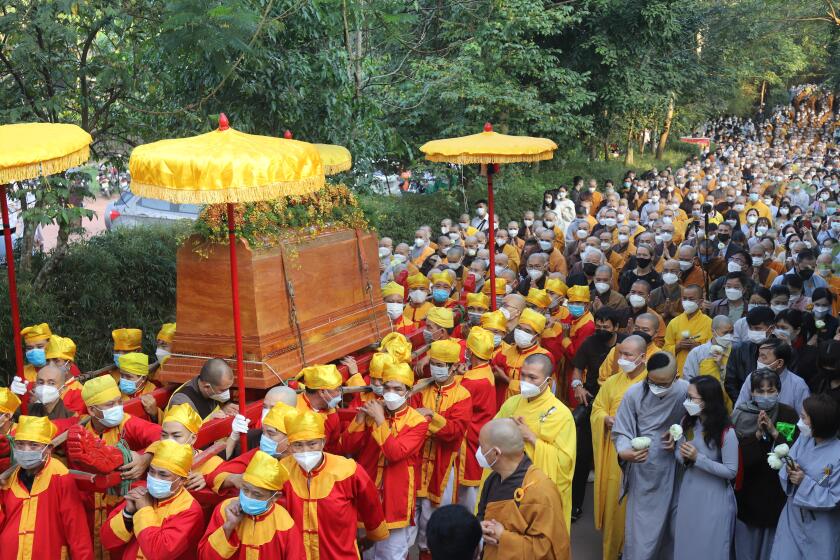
327	495
508	362
254	525
42	512
159	520
388	436
110	424
227	476
479	381
322	394
448	407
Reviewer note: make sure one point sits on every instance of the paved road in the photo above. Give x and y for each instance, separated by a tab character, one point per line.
92	226
586	541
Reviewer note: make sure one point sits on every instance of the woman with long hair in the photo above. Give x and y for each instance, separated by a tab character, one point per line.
708	451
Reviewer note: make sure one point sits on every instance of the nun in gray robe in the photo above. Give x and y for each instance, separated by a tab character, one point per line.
648	487
704	525
809	526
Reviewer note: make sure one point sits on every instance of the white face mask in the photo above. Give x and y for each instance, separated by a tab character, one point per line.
657	390
623	238
581	234
670	278
394	310
529	390
636	301
732	266
162	353
724	340
418	296
419	242
393	401
222	397
689	306
482	459
523	339
535	274
686	265
308	460
528	223
602	287
734	294
778	308
439	373
545	245
506	312
46	394
627	365
513	232
756	336
804	429
691	407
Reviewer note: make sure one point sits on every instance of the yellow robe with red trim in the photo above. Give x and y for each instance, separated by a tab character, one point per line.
170	529
609	513
555	450
269	536
328	503
45	522
418	314
390	453
452	409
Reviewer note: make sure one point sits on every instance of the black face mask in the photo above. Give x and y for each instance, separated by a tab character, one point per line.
603	334
644	335
723	237
806	273
590	268
642	263
829	373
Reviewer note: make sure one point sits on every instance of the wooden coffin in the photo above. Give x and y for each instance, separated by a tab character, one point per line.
301	304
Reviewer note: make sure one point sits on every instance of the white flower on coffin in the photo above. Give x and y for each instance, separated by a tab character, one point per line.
774	461
640	443
676	431
781	450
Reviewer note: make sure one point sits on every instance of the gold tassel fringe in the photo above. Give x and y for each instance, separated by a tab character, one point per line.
337	168
468	159
234	195
48	167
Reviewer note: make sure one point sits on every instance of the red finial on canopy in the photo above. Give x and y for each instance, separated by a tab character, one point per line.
224	124
288	134
488	127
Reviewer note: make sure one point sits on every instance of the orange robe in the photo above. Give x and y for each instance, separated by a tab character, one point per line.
452	408
45	522
269	536
481	385
390	453
510	361
167	530
328	503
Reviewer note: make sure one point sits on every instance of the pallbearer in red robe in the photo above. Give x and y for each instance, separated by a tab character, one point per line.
479	381
322	394
388	435
327	495
160	520
394	297
43	517
254	525
448	407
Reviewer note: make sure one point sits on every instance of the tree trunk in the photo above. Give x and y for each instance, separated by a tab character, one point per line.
593	150
761	98
666	129
629	156
642	143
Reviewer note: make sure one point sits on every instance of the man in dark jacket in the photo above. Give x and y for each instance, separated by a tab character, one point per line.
744	356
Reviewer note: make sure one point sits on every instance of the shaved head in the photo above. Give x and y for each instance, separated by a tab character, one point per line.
282	394
635	344
504	434
540	361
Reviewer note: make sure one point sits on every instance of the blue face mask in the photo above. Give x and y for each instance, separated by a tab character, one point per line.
112	417
440	295
37	357
576	309
268	445
128	387
117	359
158	488
252	506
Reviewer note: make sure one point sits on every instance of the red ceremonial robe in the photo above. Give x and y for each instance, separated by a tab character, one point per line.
332	424
481	385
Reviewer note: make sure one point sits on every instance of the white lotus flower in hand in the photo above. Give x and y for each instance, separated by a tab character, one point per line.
774	461
640	443
676	431
781	450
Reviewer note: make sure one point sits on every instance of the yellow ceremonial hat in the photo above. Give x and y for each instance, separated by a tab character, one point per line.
401	373
417	281
501	284
557	286
443	278
266	472
533	319
378	362
397	345
578	294
441	316
321	377
166	332
36	333
305	426
480	343
39	429
538	297
279	415
185	415
480	301
60	347
175	457
393	289
494	320
126	340
9	402
100	390
135	363
447	351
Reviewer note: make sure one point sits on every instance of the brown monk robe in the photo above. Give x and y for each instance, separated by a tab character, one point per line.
520	509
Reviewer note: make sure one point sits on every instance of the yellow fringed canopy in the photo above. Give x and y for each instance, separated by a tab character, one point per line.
29	150
489	147
335	158
223	166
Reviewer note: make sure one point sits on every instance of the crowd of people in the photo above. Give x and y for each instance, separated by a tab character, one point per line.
673	337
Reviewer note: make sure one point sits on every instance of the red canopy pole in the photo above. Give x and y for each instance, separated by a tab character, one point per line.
491	242
237	326
10	267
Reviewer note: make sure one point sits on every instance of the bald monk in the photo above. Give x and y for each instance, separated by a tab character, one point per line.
520	509
53	397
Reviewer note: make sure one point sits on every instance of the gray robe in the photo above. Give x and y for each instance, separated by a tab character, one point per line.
649	486
704	525
809	526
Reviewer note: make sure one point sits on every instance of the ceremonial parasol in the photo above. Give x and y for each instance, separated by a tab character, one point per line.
28	151
226	166
492	149
334	158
